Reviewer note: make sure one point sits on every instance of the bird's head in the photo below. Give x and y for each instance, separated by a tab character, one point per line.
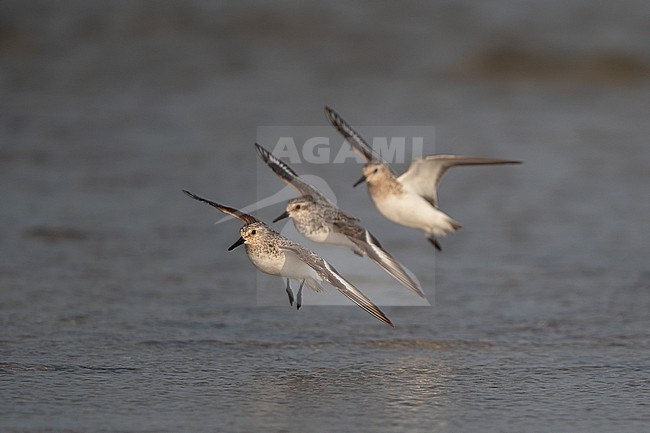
373	172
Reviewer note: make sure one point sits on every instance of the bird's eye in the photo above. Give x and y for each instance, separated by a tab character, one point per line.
297	207
375	170
253	232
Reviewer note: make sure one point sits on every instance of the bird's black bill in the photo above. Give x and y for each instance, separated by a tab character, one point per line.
237	243
284	215
361	180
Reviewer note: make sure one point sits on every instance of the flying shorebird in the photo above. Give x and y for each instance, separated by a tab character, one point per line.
274	254
319	220
410	199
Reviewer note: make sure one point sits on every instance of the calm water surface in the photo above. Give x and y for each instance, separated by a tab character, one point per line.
120	309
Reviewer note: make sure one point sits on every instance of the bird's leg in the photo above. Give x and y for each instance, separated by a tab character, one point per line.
299	300
435	243
290	293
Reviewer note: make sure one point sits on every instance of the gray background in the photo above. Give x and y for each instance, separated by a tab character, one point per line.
120	309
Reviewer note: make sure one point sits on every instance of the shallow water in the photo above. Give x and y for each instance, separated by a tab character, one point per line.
120	309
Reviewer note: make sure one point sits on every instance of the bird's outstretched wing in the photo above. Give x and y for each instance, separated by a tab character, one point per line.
424	174
370	246
286	173
357	142
331	275
246	218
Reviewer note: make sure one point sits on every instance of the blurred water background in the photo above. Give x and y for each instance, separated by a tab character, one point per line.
120	309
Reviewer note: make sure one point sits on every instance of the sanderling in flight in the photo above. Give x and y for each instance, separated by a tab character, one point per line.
410	199
274	254
319	220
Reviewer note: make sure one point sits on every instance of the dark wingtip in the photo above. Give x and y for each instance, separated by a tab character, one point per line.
330	114
263	153
190	194
196	197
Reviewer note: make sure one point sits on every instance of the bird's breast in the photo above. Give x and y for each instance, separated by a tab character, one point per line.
268	261
312	230
407	209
